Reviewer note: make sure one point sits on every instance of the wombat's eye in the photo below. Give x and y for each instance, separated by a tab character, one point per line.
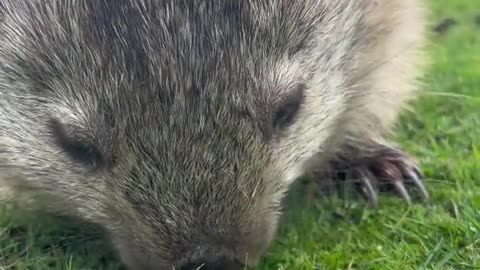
80	151
288	107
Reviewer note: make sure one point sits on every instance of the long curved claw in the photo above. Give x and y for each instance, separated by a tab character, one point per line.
402	191
414	177
384	170
369	191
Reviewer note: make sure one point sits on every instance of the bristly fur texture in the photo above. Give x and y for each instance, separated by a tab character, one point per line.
179	125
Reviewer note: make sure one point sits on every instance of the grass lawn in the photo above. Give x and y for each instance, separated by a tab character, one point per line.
334	233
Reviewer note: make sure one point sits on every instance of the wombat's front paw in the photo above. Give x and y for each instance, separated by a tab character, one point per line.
385	170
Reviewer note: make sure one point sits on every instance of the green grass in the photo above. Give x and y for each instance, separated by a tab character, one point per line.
337	233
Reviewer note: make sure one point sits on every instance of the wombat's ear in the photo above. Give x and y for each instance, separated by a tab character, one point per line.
78	148
285	110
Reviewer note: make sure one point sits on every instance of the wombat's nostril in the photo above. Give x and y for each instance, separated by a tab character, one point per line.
219	264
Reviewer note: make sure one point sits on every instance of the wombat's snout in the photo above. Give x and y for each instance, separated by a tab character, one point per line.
217	263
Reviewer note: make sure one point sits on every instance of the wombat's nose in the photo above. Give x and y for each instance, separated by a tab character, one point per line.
218	264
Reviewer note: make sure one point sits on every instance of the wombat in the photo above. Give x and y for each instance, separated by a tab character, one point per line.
180	125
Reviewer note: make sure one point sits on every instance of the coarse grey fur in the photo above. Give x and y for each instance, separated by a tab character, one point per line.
177	100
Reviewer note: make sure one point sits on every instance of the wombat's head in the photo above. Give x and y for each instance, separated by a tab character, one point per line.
177	125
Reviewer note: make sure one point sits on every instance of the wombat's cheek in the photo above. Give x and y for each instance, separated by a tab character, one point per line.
260	240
